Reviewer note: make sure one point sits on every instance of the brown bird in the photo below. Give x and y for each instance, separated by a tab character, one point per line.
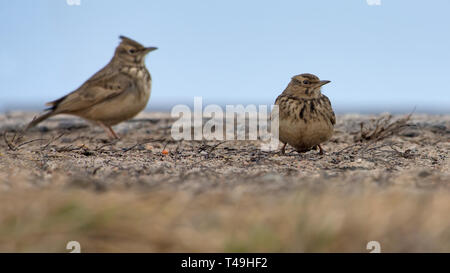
306	118
116	93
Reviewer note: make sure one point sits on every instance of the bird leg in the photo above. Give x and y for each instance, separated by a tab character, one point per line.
108	130
321	151
283	149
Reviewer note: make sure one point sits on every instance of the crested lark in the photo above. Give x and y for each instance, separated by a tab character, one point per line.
114	94
306	118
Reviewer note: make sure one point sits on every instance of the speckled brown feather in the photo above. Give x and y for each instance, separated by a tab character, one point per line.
307	110
305	114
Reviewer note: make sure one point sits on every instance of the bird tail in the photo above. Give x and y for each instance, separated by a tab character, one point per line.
37	120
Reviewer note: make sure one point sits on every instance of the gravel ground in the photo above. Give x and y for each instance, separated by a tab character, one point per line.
64	159
70	148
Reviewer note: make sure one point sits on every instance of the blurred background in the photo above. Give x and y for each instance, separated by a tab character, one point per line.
380	55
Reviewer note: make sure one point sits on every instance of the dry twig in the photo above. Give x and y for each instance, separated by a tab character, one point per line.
382	128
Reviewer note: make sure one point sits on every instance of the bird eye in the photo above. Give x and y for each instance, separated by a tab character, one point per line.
305	82
131	51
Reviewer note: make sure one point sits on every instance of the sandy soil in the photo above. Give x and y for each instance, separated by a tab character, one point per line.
66	181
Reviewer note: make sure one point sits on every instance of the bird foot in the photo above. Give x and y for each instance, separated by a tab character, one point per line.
112	135
283	149
321	150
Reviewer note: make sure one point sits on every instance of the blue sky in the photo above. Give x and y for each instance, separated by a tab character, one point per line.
391	57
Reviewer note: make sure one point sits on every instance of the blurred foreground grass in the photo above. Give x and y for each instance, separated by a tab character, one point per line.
299	221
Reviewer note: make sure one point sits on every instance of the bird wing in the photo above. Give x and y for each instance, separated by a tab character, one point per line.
330	114
281	105
95	90
289	106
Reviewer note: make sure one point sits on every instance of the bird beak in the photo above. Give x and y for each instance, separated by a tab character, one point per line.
149	49
322	83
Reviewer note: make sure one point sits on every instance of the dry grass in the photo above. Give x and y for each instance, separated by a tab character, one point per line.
62	183
381	127
301	221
